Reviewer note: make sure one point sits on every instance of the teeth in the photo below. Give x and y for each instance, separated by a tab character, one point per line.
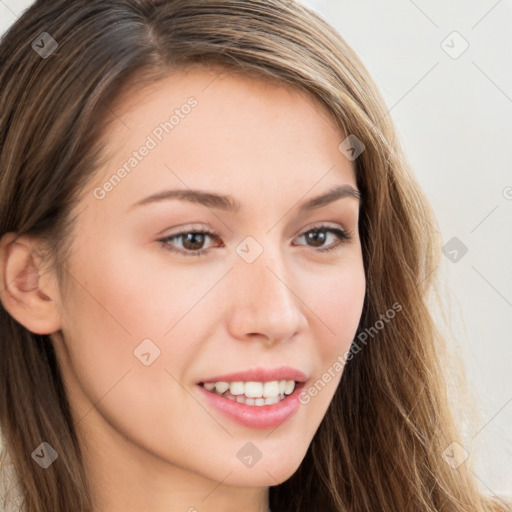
242	399
272	400
253	390
272	388
220	387
289	387
237	388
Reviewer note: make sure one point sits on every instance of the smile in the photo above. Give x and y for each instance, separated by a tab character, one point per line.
252	392
253	404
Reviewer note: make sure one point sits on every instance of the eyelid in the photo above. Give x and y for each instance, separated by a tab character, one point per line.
320	224
205	227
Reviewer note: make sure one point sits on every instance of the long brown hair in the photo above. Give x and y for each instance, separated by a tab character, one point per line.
380	445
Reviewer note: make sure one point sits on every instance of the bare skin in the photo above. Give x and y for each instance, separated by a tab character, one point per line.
151	442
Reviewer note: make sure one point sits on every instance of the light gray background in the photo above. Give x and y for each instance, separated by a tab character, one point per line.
455	118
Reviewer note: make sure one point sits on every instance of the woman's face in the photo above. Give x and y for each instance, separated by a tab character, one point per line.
145	321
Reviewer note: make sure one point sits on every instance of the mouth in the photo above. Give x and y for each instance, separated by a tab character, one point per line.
253	404
253	393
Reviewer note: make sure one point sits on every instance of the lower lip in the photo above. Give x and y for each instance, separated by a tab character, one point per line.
256	416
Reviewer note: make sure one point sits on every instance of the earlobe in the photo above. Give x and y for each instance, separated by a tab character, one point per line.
28	298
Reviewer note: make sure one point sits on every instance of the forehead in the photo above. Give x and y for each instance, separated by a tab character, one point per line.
228	101
214	128
208	80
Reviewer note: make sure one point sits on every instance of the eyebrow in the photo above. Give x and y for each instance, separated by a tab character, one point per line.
229	204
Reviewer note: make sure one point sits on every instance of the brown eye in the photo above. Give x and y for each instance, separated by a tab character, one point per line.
192	242
317	237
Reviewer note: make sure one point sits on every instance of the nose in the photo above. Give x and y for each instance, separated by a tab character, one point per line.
264	303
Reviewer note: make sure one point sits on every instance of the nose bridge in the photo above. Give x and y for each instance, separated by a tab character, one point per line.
264	301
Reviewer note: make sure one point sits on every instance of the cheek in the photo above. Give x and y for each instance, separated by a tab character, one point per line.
134	293
338	303
123	311
125	314
338	306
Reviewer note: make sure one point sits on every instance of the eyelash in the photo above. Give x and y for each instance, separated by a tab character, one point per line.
343	238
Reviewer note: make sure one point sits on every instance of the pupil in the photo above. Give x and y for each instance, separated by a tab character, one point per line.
317	237
193	241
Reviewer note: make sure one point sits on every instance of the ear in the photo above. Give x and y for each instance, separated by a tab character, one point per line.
27	291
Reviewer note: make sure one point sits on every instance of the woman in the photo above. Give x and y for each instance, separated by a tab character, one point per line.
215	269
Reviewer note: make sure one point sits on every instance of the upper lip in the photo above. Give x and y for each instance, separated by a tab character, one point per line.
260	375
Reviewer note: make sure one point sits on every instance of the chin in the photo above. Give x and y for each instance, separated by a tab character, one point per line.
264	473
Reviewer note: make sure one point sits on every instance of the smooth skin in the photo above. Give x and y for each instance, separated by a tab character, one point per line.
151	442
